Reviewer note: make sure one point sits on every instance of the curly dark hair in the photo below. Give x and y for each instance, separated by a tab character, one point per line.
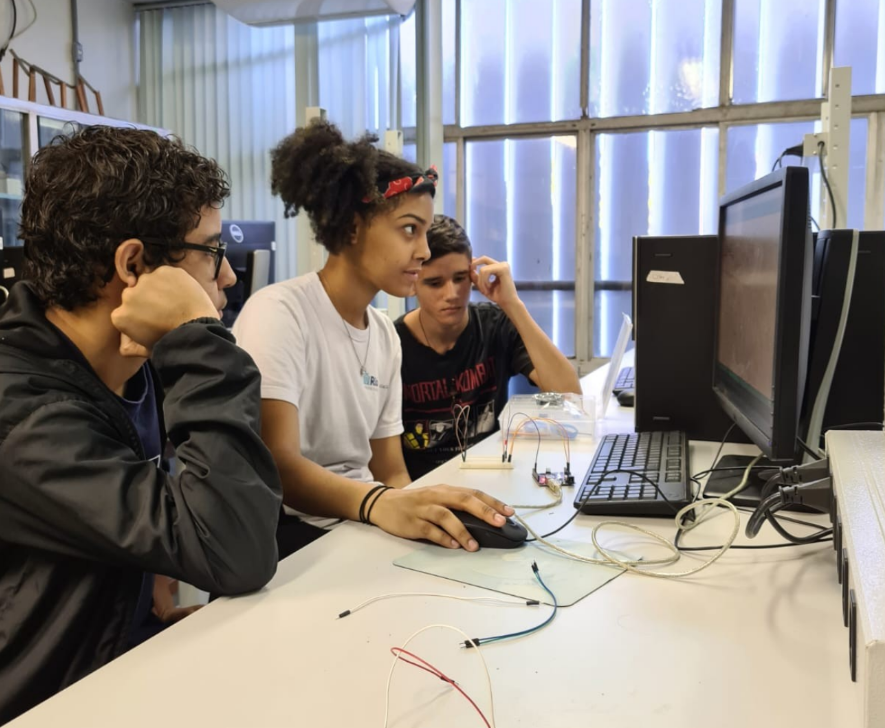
88	192
447	236
314	169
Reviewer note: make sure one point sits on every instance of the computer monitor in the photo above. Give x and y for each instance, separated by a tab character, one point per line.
251	251
764	309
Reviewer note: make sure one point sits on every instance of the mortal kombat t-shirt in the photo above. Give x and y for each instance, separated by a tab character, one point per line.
465	387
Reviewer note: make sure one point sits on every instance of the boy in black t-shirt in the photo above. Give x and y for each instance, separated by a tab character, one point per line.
458	357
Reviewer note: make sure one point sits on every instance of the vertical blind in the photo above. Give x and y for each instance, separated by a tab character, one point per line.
228	90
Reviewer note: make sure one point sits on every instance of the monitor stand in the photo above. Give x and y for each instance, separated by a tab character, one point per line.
720	483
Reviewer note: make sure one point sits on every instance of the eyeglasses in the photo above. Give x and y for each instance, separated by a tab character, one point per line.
217	250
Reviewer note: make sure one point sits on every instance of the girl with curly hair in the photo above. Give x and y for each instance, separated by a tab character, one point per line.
330	362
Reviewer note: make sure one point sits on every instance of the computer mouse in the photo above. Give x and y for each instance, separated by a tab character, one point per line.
509	536
626	398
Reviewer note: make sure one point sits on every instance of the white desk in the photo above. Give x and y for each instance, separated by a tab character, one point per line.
755	640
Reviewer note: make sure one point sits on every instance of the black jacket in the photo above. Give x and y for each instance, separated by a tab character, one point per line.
83	515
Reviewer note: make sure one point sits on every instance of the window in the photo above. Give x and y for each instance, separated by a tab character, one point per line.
860	43
449	175
520	207
359	51
777	49
408	67
48	129
524	65
12	167
752	151
648	183
647	59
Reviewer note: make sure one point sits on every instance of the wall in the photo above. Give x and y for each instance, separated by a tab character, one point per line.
107	34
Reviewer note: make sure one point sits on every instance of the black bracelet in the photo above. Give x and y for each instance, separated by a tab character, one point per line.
369	512
362	511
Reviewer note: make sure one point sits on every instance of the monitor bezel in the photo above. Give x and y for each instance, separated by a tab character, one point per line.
775	428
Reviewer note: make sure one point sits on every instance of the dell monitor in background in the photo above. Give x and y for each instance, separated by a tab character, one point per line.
763	319
251	252
11	261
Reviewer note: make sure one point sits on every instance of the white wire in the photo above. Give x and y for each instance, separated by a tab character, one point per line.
631	565
463	410
702	516
478	652
555	489
487	600
603	561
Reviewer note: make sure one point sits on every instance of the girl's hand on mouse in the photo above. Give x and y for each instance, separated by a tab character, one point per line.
423	513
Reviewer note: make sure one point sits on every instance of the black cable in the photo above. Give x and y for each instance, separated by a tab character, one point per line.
593	490
777	162
740	468
850	426
743	548
808	450
823	173
781	517
721	446
791	537
816	223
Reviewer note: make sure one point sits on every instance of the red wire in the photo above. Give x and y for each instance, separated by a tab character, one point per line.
398	652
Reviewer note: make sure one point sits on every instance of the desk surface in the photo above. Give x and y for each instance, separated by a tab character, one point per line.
755	640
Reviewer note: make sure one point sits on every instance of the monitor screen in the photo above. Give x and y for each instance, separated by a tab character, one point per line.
763	319
749	264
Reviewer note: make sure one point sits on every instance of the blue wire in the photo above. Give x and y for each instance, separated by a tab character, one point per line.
523	633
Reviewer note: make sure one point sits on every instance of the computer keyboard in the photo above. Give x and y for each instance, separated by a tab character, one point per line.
626	380
660	456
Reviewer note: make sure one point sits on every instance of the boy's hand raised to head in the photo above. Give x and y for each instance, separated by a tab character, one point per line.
494	280
155	304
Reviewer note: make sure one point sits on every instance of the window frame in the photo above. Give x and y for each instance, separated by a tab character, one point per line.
725	116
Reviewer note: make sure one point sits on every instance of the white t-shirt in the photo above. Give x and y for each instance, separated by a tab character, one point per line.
310	357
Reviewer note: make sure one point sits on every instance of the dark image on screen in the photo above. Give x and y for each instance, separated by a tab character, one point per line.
748	293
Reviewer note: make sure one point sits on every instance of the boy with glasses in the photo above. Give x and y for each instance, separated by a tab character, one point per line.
109	346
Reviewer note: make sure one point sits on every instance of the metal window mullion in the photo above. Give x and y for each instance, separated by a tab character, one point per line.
460	180
458	63
726	53
585	58
826	58
874	204
394	82
585	230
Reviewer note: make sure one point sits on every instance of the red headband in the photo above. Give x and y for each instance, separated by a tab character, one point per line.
396	187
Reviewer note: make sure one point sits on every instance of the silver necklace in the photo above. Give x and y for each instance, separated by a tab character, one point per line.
424	331
361	362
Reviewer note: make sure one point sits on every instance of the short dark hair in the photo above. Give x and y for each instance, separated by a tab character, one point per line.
314	169
88	192
447	236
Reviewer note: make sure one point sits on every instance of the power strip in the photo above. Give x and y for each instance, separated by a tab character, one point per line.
857	460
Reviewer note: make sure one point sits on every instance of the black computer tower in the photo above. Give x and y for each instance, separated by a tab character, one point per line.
857	393
674	302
